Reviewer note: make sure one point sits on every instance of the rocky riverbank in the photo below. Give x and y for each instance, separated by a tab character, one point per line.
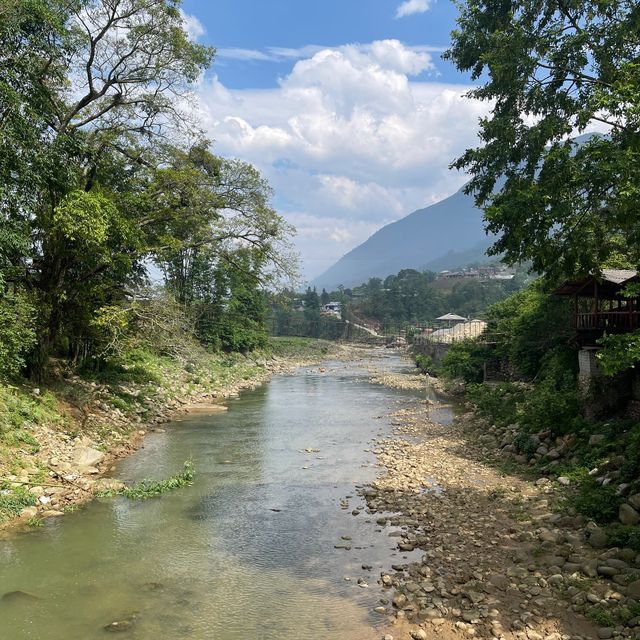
60	463
501	559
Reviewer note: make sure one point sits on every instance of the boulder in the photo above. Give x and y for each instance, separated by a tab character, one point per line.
87	456
633	590
634	501
628	515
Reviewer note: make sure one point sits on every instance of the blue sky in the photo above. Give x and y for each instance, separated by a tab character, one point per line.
259	25
345	106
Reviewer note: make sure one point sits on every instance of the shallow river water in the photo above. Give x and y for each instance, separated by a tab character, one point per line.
247	551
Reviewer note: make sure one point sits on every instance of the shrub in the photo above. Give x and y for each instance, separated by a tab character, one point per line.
499	403
465	360
596	502
424	362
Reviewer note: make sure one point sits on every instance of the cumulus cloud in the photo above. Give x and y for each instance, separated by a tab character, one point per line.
409	7
194	28
351	139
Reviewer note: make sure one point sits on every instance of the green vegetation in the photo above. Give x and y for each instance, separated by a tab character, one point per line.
413	297
531	340
95	186
153	488
601	616
13	501
569	209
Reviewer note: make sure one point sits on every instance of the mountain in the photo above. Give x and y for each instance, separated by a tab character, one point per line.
447	234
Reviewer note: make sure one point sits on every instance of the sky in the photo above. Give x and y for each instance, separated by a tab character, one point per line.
345	106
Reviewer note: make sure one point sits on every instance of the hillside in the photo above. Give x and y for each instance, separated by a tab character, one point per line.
443	235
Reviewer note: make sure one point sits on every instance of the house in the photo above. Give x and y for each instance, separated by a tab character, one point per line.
600	305
451	319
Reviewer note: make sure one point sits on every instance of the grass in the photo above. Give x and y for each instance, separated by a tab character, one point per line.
153	488
293	347
13	501
601	616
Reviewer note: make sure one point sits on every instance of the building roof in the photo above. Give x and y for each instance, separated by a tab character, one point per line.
609	283
452	316
463	331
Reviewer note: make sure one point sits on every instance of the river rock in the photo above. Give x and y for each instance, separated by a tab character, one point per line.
29	512
119	626
628	515
633	589
634	501
597	538
108	484
87	456
18	596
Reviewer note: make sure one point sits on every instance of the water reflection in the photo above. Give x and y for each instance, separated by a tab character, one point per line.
248	550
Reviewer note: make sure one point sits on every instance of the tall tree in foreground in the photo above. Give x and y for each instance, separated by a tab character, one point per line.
87	89
552	69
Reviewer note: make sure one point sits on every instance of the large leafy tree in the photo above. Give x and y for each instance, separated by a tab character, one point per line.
88	88
551	69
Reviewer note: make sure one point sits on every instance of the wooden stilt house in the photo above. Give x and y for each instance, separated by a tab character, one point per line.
600	304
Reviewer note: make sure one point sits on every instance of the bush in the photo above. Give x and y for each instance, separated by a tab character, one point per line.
621	535
423	362
499	403
596	502
465	360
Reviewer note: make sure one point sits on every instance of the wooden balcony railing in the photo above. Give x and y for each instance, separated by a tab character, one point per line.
615	321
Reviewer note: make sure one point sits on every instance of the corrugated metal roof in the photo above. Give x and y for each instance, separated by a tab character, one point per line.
608	283
618	276
451	316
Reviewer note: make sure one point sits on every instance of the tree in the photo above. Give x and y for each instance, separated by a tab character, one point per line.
551	69
87	90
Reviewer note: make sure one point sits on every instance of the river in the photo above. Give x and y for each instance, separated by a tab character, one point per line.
247	551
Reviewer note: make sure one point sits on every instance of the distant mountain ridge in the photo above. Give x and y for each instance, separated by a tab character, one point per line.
444	235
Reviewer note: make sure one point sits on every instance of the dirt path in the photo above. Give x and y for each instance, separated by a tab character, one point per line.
498	561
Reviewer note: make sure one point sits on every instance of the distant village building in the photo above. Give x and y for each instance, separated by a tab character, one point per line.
480	273
451	319
332	308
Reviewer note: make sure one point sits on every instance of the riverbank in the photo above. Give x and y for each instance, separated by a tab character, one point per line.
501	557
58	442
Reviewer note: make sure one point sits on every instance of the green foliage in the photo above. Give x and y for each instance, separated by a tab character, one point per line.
525	444
620	535
499	403
147	489
596	502
601	616
464	360
17	332
13	501
551	69
619	353
424	362
84	217
528	325
19	410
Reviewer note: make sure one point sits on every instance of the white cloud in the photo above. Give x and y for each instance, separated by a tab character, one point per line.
409	7
284	54
194	28
349	140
